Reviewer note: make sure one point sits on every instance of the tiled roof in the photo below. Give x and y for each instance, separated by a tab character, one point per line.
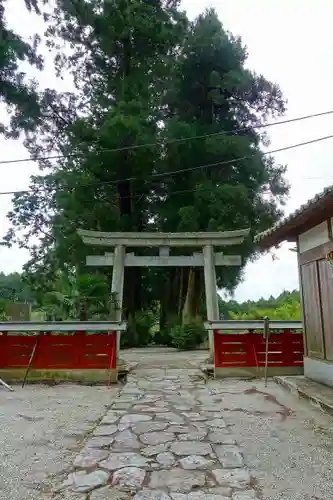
288	225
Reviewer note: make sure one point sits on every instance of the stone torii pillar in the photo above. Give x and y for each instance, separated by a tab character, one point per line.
117	287
212	305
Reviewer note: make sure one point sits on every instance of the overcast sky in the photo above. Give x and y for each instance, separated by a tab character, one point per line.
291	43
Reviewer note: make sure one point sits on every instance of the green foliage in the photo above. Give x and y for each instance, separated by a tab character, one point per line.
214	93
3	314
17	92
284	307
144	74
13	287
144	323
188	336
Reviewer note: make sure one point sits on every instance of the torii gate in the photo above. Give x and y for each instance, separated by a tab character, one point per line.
207	259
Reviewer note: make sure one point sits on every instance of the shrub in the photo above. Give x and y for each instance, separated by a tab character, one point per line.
144	322
188	336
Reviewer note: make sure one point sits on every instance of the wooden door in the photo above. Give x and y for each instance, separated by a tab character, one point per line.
326	292
312	310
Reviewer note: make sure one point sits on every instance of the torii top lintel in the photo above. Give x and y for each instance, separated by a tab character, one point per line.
188	239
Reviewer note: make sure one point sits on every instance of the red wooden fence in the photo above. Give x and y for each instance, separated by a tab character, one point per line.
57	351
238	350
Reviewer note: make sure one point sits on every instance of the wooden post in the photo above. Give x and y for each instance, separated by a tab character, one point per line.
266	336
211	291
117	287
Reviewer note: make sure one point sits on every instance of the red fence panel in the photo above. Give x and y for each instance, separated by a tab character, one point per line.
247	350
73	351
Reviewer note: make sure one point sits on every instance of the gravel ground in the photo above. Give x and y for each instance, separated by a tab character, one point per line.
41	429
286	441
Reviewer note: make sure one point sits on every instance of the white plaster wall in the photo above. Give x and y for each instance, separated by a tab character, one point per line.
314	237
320	371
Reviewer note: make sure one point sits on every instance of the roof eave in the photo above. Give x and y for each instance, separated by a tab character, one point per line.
301	221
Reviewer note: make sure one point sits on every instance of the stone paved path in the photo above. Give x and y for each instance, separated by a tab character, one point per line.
164	438
163	357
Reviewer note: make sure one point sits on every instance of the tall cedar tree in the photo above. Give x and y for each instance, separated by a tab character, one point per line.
17	93
143	74
214	93
121	60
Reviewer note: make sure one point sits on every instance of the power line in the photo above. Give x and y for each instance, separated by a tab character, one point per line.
199	167
226	162
171	141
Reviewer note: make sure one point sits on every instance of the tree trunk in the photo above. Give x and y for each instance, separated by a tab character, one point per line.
194	293
164	302
199	292
188	312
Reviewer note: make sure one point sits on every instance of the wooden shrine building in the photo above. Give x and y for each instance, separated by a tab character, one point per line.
310	227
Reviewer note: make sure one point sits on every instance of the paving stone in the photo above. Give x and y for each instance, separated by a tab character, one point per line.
89	457
109	418
99	442
216	414
191	448
122	406
151	398
133	418
143	427
177	480
192	462
182	429
208	399
236	478
180	400
212	408
174	422
225	491
149	409
129	478
125	399
130	390
219	437
69	495
165	459
108	494
172	418
82	482
126	440
117	460
153	438
245	495
105	430
193	436
150	451
183	407
199	495
151	495
216	423
229	456
195	417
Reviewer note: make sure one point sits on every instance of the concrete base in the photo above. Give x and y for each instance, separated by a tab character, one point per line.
257	372
88	377
319	370
319	395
